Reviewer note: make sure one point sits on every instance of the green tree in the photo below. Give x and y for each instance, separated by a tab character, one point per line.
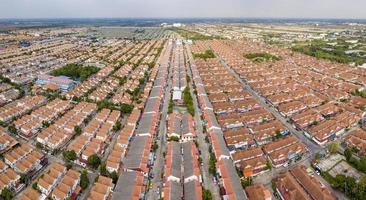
35	186
94	161
6	194
269	165
206	195
39	145
348	154
212	164
117	126
69	155
333	147
84	180
23	178
114	177
45	124
12	129
174	138
77	130
245	182
103	169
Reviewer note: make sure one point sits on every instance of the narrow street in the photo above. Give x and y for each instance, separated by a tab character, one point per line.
202	145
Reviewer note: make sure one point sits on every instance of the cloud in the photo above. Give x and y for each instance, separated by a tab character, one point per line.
182	8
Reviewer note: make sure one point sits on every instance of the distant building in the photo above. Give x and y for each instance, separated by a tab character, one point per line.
63	82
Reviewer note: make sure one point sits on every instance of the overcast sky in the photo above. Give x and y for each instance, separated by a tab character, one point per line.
182	8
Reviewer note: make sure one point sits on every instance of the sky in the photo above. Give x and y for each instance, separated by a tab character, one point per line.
352	9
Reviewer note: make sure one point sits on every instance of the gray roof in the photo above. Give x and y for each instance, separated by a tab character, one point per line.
235	181
190	192
176	169
177	124
187	159
212	116
151	103
207	102
156	91
125	185
176	191
135	152
185	123
221	141
159	81
145	123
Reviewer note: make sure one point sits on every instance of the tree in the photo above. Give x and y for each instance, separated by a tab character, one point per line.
103	169
35	186
77	130
69	155
39	145
245	182
68	166
174	138
6	194
155	147
12	129
45	124
114	177
84	180
212	165
94	161
206	195
361	165
269	165
23	178
348	154
117	126
333	147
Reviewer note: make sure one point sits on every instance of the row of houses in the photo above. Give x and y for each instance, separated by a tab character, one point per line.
182	176
62	130
6	141
295	86
95	136
181	126
299	184
229	181
101	189
30	124
57	183
20	107
132	180
24	159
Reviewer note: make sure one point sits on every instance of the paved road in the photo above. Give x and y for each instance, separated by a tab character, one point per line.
311	146
202	145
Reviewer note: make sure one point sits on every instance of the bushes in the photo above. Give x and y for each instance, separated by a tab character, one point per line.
206	195
75	71
69	156
188	101
322	50
212	164
84	180
94	161
261	57
191	35
170	107
206	55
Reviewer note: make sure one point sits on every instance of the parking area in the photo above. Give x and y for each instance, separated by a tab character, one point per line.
328	163
344	168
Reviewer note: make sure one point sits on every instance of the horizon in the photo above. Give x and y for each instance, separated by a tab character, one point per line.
90	9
